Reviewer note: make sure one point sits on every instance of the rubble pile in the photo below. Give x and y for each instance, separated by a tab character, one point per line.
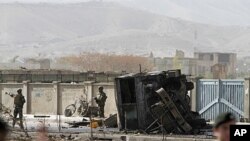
157	102
6	114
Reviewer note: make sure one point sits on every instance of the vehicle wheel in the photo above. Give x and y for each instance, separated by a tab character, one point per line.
70	110
83	109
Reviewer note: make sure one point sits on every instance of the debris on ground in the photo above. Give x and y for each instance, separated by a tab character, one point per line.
111	122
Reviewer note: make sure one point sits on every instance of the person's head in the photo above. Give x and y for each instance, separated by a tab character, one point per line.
19	91
4	130
222	126
100	89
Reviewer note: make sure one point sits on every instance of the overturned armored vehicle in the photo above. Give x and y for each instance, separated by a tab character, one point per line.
156	102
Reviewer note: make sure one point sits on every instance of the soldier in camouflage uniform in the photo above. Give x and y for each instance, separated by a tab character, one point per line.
19	101
100	100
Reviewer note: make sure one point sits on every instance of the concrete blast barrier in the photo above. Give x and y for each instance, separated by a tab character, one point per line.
52	98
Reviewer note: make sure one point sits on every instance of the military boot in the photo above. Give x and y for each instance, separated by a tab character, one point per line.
14	122
21	124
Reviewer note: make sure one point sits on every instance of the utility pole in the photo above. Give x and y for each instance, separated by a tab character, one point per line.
140	67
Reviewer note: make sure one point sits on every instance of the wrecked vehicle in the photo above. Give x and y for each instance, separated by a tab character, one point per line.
157	102
80	108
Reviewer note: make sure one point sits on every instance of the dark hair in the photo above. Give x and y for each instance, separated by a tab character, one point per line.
224	118
4	128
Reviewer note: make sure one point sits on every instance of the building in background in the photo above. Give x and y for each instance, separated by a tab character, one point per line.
205	64
179	61
208	60
219	71
43	63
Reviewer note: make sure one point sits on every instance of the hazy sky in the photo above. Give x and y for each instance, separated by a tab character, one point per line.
54	1
218	12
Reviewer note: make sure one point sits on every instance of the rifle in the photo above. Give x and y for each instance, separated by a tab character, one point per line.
10	94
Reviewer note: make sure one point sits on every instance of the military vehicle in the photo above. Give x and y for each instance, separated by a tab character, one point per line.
157	102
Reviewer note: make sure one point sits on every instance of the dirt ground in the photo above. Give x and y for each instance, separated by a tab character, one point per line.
17	136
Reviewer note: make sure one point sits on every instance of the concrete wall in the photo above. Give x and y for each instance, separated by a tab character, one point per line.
43	98
52	98
48	76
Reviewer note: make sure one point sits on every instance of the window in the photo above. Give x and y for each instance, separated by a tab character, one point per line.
224	58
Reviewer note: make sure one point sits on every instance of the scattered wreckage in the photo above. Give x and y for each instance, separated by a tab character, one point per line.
80	108
157	102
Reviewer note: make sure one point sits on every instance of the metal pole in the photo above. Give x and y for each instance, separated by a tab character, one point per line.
59	123
90	118
125	121
91	129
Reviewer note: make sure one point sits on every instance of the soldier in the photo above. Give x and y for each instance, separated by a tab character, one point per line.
222	126
100	100
19	101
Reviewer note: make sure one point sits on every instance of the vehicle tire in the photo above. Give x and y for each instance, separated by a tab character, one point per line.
70	110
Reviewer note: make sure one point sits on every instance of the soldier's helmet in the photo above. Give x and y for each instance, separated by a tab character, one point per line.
100	88
19	90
